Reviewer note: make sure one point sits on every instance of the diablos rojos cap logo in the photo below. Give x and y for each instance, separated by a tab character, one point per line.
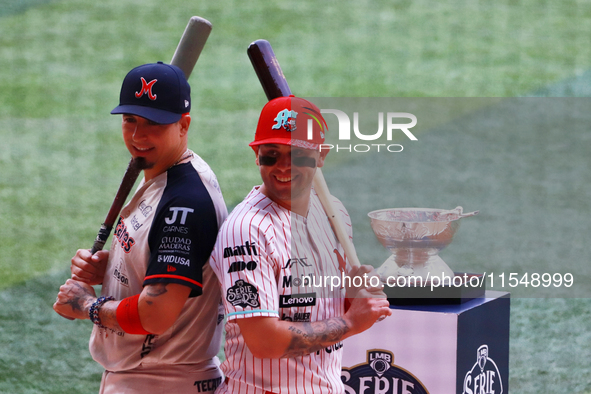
286	119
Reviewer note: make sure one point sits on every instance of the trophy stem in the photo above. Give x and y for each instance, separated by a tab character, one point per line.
414	262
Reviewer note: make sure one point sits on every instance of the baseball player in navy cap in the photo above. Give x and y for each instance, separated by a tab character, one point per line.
157	322
284	332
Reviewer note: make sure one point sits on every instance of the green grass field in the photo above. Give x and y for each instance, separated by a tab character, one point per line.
62	157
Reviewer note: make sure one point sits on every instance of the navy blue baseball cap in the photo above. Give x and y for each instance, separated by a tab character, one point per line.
158	92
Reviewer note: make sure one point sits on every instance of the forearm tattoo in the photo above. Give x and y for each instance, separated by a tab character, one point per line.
108	316
309	337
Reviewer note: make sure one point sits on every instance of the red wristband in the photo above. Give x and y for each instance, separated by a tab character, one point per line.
128	316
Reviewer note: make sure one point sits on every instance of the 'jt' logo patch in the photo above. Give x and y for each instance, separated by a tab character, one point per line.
286	119
147	88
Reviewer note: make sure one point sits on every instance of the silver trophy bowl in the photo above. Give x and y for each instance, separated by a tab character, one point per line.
415	236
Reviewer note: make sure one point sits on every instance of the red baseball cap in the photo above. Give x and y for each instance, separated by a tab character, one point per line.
286	120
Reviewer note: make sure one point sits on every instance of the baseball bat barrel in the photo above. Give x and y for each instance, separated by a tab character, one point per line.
191	44
268	70
185	57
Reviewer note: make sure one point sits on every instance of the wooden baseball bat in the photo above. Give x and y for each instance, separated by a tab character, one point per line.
185	56
334	217
275	85
268	70
129	178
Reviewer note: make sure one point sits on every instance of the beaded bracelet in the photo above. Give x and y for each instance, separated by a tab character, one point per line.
93	313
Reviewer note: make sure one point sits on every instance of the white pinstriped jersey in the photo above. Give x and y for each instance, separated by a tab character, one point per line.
270	262
165	235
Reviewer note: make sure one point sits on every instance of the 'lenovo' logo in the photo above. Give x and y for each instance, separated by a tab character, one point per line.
296	300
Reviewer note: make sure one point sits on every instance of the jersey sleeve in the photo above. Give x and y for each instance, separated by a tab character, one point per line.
244	262
181	238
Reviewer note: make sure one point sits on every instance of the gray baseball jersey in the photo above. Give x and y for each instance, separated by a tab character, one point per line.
165	235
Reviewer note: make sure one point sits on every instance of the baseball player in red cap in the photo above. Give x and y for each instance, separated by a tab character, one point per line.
157	322
285	326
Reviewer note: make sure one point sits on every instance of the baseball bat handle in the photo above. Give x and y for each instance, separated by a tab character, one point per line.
101	238
336	221
131	174
335	218
268	70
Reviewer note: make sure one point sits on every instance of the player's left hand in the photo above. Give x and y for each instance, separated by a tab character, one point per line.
366	297
74	300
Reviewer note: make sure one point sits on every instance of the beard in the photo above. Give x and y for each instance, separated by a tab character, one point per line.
143	164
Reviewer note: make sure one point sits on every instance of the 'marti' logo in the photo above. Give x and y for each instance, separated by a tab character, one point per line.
286	119
147	88
380	375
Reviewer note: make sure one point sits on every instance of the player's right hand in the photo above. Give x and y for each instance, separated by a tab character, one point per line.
89	268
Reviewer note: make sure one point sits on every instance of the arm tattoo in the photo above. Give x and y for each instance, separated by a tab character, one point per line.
157	289
79	302
309	337
108	317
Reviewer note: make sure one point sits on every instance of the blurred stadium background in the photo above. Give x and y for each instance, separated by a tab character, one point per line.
61	154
